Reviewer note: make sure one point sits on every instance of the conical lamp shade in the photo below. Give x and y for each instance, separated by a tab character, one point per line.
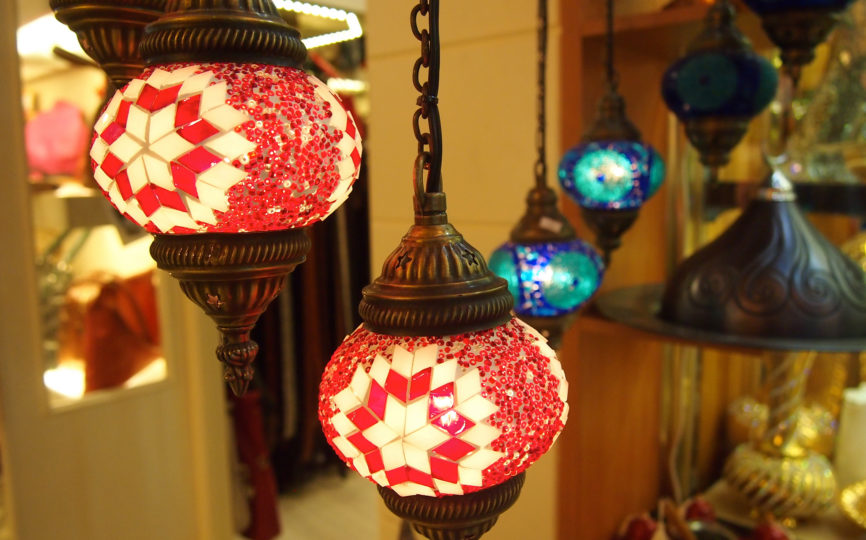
771	274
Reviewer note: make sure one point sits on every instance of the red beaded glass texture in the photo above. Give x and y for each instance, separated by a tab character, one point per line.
191	148
441	416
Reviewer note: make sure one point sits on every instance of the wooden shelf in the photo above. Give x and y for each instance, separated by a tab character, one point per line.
819	197
684	16
668	31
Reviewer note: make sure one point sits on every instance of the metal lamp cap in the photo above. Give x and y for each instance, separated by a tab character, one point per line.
542	222
435	283
612	124
250	31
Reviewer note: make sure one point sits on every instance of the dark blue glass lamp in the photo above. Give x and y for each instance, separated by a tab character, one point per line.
611	173
550	272
718	87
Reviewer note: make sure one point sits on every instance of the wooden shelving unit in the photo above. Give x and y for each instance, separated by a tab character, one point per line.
611	456
687	16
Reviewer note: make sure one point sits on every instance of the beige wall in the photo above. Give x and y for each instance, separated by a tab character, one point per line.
487	102
144	463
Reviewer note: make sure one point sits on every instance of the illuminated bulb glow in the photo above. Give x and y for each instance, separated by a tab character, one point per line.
40	36
66	380
354	30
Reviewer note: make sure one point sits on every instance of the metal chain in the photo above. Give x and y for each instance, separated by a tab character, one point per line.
541	133
612	76
430	142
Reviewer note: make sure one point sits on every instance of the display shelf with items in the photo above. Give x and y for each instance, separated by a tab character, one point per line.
667	386
98	297
96	283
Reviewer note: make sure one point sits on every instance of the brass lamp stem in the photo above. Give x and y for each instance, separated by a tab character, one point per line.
787	374
779	474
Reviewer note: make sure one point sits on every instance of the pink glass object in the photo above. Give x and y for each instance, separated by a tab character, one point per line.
223	147
481	407
56	140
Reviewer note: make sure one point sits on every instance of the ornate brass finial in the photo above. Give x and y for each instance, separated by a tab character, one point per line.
233	278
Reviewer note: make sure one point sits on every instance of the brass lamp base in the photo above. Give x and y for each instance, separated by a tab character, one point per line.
233	278
455	517
797	33
787	487
609	226
715	137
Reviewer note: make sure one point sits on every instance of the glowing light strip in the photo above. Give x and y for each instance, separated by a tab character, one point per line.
347	86
354	30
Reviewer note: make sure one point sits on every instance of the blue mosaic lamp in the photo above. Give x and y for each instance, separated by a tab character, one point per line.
797	27
550	272
611	173
549	279
719	86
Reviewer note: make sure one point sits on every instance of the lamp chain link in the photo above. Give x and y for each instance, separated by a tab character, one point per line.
612	75
430	142
541	133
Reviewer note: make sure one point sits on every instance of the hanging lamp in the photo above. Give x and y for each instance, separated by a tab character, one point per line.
550	272
224	149
718	87
611	173
441	396
797	27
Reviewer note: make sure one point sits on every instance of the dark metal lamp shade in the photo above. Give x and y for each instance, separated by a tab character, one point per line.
771	274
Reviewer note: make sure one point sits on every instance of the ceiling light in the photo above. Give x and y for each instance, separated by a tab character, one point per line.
353	31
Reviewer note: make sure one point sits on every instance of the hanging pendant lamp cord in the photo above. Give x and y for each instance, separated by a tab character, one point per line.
612	76
429	158
541	134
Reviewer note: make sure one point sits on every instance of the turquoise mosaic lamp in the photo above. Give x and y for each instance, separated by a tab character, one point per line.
611	173
718	87
549	279
550	272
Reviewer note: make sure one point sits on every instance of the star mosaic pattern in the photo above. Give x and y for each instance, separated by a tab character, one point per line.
225	148
423	416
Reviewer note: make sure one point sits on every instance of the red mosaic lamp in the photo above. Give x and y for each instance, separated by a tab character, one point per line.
441	396
224	149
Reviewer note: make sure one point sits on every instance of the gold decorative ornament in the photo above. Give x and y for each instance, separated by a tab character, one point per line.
778	474
816	420
853	503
